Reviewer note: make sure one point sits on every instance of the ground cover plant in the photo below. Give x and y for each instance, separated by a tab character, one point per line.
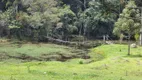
39	51
114	64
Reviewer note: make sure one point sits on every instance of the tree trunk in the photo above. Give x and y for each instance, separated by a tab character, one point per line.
59	41
129	48
141	29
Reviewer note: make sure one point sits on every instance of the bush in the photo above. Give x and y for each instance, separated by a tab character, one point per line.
80	62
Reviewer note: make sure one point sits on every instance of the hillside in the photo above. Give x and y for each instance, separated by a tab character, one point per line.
115	65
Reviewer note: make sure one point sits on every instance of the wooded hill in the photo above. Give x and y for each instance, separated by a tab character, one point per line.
60	19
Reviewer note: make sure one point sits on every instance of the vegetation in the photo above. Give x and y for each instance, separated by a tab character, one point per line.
39	52
129	22
60	19
116	65
62	39
35	20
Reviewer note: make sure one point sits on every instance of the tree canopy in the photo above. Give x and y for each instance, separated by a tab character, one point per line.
129	21
62	19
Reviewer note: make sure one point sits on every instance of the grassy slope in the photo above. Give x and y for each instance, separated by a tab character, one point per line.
116	66
33	49
44	52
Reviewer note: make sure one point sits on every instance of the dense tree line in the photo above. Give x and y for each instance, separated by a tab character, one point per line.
60	19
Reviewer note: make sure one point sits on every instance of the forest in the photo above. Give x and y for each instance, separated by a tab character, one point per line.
34	20
70	39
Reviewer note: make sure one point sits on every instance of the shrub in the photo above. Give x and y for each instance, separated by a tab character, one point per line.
80	62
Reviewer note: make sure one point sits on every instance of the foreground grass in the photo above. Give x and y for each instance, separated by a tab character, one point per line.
115	65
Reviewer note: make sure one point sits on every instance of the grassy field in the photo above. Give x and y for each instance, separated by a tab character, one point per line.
33	49
110	63
40	51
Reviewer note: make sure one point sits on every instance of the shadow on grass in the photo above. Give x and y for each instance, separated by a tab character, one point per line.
133	56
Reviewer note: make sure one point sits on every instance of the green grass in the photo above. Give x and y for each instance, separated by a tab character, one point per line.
116	50
33	49
115	65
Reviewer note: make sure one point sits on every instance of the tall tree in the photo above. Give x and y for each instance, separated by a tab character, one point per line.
100	17
129	22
